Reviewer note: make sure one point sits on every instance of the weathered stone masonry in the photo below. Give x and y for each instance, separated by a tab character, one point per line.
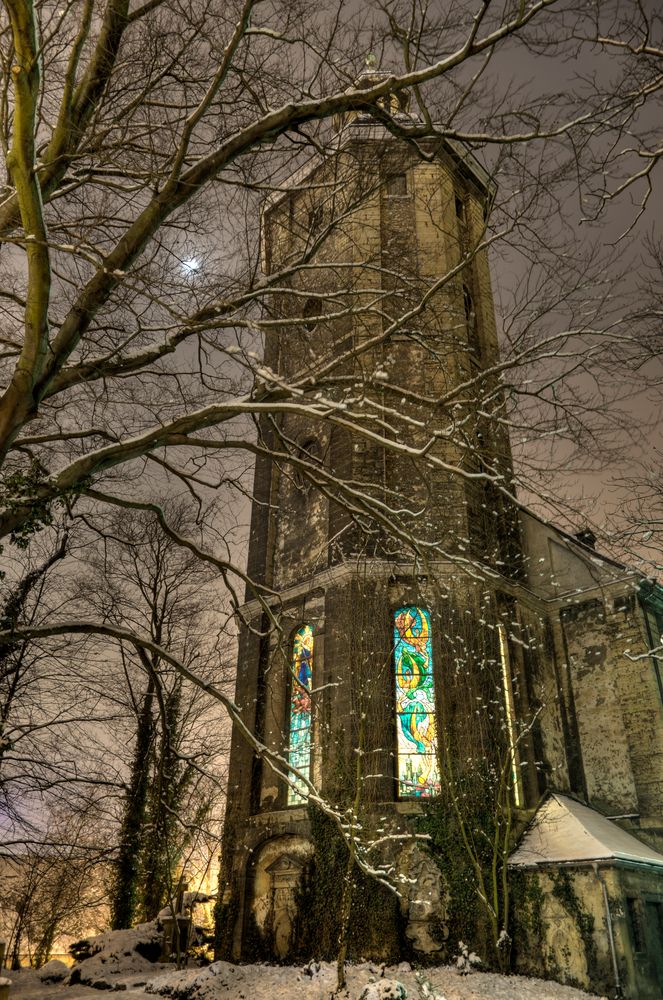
573	626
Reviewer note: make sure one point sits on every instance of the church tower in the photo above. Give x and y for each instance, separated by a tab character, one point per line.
383	319
414	647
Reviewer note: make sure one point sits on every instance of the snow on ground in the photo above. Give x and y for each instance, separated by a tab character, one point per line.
317	981
117	961
117	954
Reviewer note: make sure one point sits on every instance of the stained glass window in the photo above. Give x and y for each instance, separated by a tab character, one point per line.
299	723
418	771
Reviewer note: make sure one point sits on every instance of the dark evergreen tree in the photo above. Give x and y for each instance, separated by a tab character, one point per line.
147	578
125	892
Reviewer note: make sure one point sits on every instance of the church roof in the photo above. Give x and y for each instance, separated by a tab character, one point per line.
564	830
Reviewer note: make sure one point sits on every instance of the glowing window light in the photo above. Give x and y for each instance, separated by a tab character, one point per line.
299	724
418	769
507	684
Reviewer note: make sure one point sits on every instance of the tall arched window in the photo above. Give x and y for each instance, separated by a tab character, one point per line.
299	719
418	769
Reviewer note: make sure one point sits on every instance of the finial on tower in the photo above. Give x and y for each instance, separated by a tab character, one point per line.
370	76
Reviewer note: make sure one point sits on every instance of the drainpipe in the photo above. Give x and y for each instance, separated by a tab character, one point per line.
619	993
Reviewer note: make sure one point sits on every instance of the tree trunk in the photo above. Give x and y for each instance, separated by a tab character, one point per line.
125	888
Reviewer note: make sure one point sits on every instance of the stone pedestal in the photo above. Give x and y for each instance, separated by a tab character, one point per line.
171	929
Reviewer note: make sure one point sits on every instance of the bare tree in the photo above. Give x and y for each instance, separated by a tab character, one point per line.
140	142
55	890
140	576
20	605
53	714
115	737
117	178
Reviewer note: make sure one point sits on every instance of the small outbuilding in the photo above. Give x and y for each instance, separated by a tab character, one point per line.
573	862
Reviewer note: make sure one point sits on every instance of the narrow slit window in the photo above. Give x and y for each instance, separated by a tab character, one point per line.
312	313
416	722
396	186
315	219
309	450
635	924
653	615
655	911
473	341
299	719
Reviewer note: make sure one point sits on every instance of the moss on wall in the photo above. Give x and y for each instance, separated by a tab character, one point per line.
539	901
527	926
258	945
448	852
465	921
225	918
564	891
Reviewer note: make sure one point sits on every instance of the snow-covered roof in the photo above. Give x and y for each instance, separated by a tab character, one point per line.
564	830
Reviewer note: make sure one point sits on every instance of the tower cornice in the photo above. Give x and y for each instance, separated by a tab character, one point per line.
383	570
364	129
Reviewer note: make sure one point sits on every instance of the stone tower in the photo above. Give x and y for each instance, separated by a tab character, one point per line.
409	633
360	542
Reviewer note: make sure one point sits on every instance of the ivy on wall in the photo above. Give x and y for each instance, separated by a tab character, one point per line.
465	917
532	956
376	926
564	891
528	926
225	918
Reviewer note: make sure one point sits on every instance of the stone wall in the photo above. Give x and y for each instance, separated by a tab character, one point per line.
617	706
563	929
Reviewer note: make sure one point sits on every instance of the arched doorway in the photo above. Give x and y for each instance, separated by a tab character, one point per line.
277	873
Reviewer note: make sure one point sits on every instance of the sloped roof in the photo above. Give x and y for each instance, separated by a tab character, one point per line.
563	830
